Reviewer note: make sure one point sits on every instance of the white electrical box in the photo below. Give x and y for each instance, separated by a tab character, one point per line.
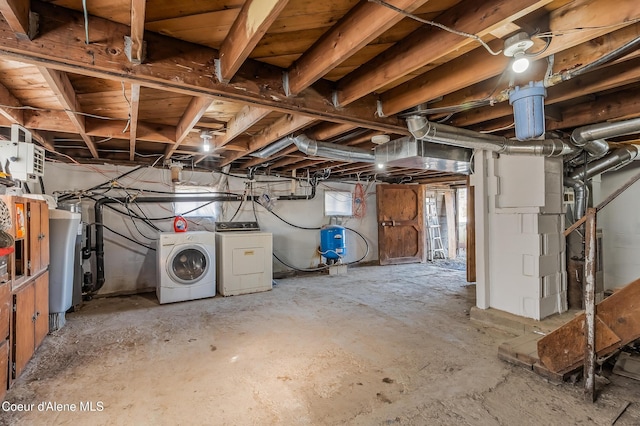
244	262
22	160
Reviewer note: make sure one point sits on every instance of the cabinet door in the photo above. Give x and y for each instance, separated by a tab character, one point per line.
24	336
41	308
38	230
5	309
4	368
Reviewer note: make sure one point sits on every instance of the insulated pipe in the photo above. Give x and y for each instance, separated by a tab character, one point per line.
99	205
332	150
420	128
581	194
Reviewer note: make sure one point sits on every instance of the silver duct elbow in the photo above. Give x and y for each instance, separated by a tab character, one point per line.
580	193
592	138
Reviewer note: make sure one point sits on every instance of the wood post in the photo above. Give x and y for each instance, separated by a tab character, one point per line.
471	234
590	306
452	229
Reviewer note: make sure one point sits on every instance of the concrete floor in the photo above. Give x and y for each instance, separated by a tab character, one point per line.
380	345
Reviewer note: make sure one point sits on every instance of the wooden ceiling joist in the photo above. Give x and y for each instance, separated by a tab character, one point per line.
177	66
137	47
133	119
357	28
429	43
17	13
194	112
252	23
457	74
60	84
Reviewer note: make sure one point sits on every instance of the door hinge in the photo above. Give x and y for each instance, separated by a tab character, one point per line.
29	265
13	368
15	308
28	213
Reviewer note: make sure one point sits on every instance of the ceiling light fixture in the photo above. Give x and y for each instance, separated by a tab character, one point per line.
380	165
516	47
206	138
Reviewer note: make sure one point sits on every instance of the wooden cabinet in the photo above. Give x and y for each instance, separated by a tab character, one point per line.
6	304
31	320
24	299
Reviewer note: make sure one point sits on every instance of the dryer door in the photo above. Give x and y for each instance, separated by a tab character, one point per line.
188	264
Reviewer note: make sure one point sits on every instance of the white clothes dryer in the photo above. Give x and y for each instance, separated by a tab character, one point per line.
186	266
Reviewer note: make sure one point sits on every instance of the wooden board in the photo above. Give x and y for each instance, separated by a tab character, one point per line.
400	223
41	308
5	309
617	324
4	368
23	337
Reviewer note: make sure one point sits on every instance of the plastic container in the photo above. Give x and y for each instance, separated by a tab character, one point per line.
528	110
333	242
180	224
63	227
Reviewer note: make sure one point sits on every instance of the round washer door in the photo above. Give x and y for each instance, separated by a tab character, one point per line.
188	264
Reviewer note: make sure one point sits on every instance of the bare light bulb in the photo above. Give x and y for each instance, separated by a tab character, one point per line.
205	146
380	166
520	63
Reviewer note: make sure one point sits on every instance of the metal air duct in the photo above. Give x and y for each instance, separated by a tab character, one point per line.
273	148
333	151
420	128
591	138
418	154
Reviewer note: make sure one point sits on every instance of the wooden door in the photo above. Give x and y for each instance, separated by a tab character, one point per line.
41	308
24	337
400	223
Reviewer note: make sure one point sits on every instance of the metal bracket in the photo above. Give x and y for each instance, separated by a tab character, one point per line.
218	69
128	45
334	99
379	111
34	25
285	83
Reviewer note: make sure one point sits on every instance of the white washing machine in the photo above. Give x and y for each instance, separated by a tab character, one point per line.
244	262
186	266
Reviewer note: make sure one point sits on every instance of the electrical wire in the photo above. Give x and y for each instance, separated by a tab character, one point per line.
86	114
438	25
86	21
130	239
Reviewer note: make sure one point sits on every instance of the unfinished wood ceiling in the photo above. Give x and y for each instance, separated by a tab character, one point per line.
136	80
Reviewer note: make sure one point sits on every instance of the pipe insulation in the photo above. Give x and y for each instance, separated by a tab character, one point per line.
420	128
333	151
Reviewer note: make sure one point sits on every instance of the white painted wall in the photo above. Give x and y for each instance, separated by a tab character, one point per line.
131	268
620	224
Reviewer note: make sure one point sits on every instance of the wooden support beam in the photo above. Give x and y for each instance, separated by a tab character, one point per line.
356	29
428	43
457	74
452	228
281	128
179	67
252	23
285	161
590	306
326	130
61	86
194	112
134	108
18	15
471	233
138	11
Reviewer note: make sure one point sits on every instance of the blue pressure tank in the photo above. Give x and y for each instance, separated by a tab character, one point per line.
333	242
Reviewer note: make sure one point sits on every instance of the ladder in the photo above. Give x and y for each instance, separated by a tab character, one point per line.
436	249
